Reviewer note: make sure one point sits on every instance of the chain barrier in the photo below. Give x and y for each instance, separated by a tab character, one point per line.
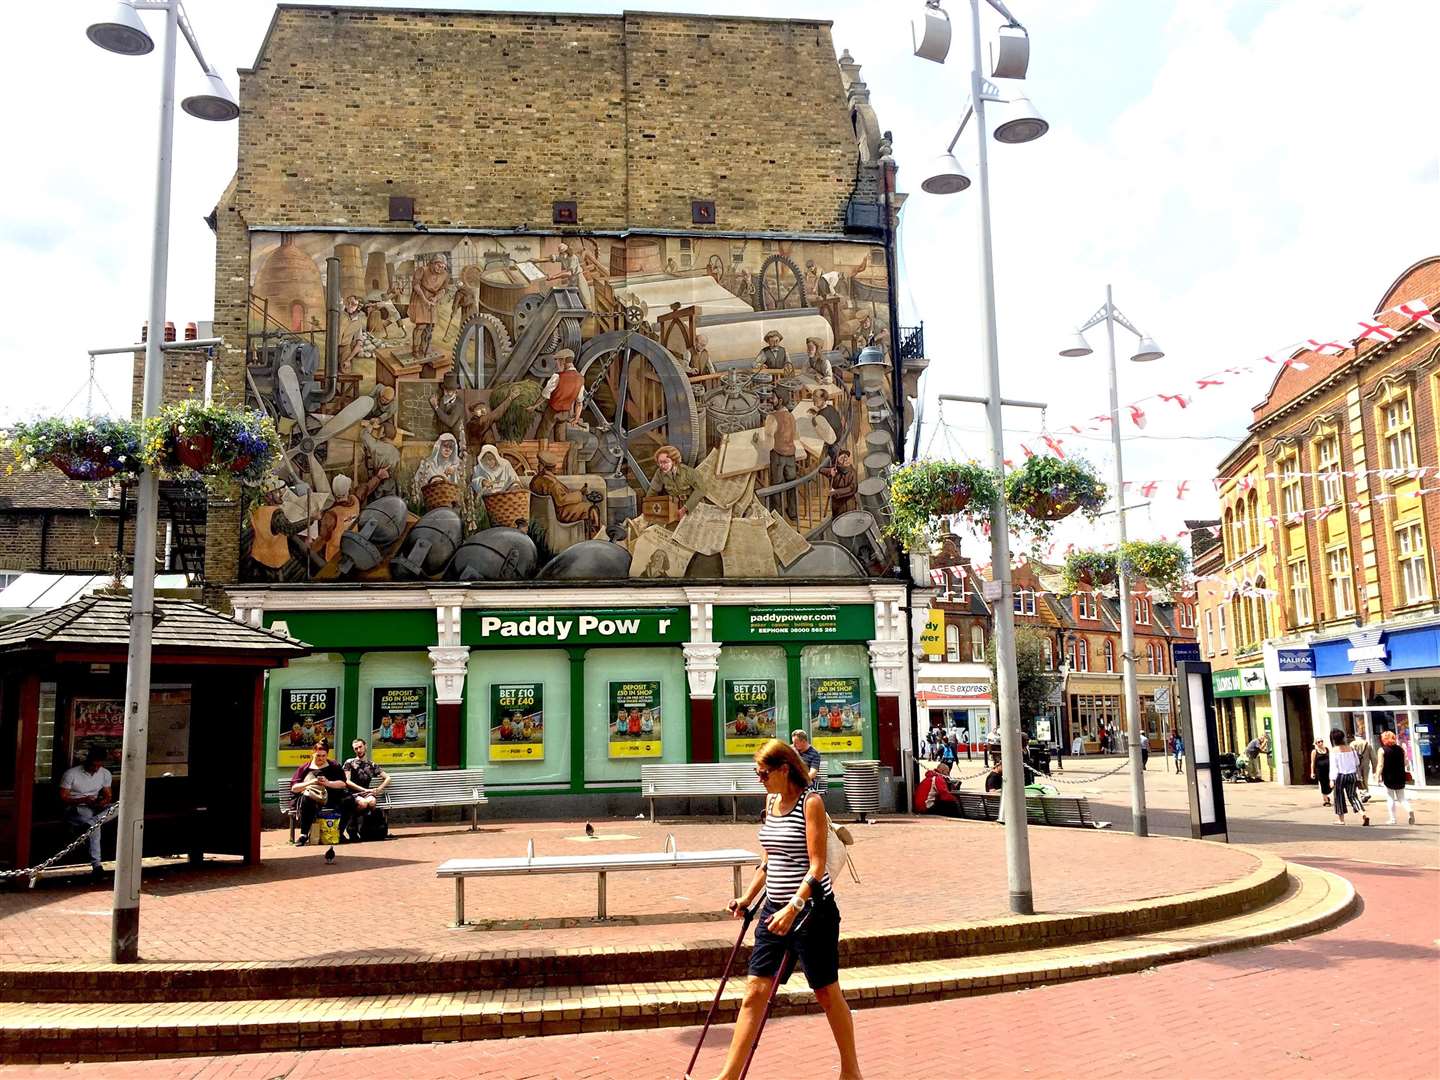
35	871
1090	778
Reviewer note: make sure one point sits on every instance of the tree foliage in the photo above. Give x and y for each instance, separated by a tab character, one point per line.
1034	681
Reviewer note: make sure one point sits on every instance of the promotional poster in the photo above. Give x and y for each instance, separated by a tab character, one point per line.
401	728
306	716
517	722
837	719
634	719
750	710
98	722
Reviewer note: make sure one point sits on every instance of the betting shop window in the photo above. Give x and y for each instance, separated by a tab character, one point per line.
1342	583
1414	565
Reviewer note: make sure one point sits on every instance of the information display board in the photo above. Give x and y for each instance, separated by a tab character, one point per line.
634	725
517	722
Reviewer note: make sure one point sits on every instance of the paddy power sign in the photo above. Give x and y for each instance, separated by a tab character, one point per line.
599	627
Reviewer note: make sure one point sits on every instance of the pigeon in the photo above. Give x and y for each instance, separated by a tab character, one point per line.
329	856
589	829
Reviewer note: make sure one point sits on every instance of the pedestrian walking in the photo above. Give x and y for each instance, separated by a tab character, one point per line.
1320	769
1365	755
1343	766
1179	750
965	738
1144	750
794	882
1060	753
1392	775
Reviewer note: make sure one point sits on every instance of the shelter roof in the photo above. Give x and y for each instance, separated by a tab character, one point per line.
180	626
48	489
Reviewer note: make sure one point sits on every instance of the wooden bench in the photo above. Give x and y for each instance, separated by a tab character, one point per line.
600	865
414	789
727	781
1071	810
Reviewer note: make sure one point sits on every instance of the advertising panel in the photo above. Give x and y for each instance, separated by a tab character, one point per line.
400	725
634	719
750	709
307	715
837	718
517	722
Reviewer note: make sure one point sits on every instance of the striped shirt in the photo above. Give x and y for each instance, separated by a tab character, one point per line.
783	838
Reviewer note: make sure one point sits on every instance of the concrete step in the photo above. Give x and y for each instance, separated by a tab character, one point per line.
1312	900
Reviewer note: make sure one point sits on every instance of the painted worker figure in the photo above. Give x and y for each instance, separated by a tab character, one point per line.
780	425
444	465
382	461
337	519
574	269
560	398
272	533
700	363
824	408
386	410
352	330
676	479
425	288
449	409
773	356
570	506
463	305
844	484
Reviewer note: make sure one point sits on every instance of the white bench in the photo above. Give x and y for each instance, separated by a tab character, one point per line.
600	865
414	789
698	781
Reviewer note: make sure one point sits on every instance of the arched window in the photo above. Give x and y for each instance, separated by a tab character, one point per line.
1262	611
297	317
952	643
1082	655
1252	514
977	643
1227	536
1109	656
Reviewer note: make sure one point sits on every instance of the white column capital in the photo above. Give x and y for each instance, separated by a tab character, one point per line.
890	665
702	664
449	664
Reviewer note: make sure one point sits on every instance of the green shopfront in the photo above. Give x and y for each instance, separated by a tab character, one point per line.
550	696
1245	712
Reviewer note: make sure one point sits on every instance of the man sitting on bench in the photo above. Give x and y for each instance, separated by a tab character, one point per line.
361	776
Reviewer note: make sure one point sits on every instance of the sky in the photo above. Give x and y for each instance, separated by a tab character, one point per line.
1245	173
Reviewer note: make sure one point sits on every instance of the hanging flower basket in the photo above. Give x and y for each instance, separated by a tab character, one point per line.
1162	563
1047	489
218	442
924	493
1086	571
92	448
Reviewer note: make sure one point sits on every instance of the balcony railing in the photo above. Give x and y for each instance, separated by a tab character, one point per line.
912	342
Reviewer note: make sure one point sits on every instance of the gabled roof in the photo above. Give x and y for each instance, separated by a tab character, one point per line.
180	626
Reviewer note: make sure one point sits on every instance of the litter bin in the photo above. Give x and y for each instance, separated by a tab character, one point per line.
862	787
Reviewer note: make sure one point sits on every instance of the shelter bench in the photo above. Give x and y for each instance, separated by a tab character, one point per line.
600	865
699	781
414	789
1071	810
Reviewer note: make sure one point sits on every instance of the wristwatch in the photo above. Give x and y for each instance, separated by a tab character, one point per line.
799	903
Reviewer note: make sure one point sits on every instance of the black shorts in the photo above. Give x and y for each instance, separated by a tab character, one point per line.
816	944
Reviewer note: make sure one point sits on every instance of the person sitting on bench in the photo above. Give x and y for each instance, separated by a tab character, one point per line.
85	791
365	780
315	776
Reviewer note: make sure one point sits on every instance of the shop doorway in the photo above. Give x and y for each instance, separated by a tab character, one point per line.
1299	732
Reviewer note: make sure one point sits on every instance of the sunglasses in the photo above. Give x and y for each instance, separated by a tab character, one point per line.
763	774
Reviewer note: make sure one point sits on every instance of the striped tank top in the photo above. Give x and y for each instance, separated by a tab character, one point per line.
783	838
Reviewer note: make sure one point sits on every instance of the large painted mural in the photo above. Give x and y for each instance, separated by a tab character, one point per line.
466	408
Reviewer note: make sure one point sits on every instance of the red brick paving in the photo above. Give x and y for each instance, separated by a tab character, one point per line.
1316	1007
383	900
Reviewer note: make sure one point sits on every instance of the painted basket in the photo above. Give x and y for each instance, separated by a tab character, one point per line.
507	507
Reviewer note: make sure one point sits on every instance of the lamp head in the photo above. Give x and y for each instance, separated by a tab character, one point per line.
946	176
1147	350
870	356
122	33
1022	122
1076	346
216	104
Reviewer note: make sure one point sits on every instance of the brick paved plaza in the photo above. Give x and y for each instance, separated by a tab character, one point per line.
1260	1011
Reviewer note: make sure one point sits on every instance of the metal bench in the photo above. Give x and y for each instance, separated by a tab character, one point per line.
699	781
600	865
414	789
1071	810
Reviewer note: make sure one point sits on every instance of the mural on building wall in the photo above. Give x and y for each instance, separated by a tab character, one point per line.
469	408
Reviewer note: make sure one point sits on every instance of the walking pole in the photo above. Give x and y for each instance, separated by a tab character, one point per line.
724	978
787	965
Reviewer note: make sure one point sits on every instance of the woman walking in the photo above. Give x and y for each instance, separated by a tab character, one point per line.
1392	775
1320	769
793	878
1344	765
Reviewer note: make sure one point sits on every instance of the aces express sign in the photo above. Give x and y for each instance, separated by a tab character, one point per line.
598	627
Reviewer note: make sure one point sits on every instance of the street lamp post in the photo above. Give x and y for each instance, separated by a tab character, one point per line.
948	177
1147	350
125	33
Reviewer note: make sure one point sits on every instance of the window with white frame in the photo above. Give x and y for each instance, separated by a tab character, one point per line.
1220	627
1399	429
1186	614
1087	606
1300	602
1109	656
1082	654
1342	582
952	643
1292	495
977	643
1414	565
687	253
1209	633
1332	483
1024	602
1049	654
1142	611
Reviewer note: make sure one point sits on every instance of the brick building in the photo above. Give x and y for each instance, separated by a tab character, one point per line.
1330	514
527	295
